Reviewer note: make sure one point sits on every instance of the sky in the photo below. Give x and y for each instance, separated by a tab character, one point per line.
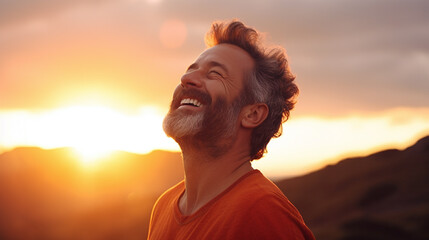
65	66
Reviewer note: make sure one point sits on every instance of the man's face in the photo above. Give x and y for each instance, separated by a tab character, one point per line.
205	104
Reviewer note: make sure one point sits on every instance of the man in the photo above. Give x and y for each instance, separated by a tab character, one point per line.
231	101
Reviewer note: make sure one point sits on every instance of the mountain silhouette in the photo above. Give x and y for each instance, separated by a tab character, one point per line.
48	194
381	196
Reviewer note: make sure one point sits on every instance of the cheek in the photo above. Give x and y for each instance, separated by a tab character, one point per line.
218	90
174	100
176	90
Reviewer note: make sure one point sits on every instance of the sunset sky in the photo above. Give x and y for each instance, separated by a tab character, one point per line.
98	75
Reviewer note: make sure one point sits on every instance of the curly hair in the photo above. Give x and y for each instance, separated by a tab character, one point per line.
270	82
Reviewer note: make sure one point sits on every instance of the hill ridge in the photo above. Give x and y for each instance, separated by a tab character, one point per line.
363	195
356	198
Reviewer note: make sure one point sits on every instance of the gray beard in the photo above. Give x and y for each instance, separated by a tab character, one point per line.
177	125
212	129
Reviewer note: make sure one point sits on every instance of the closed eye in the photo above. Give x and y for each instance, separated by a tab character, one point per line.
216	73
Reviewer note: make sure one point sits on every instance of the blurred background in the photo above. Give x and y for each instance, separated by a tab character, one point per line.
84	86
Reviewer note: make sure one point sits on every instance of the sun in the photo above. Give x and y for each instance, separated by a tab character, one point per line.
89	131
90	155
93	131
99	130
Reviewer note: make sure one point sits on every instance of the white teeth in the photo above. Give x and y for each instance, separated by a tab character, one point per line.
191	101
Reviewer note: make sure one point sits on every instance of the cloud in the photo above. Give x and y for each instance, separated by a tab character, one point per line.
366	54
18	11
347	55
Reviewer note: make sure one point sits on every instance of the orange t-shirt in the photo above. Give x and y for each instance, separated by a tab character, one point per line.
252	208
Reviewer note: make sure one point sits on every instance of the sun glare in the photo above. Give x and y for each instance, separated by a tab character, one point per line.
90	155
93	131
91	138
309	143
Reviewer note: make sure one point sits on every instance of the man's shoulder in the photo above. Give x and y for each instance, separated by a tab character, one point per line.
171	194
259	196
257	191
257	187
259	206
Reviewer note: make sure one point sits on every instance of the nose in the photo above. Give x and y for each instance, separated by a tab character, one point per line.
192	79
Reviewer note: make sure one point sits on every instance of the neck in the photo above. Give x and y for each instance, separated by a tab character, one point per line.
207	176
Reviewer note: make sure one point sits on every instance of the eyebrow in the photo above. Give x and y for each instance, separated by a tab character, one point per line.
210	64
218	64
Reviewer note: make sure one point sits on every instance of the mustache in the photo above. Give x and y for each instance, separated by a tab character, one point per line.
202	97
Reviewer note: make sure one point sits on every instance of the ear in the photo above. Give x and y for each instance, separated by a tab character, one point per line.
253	115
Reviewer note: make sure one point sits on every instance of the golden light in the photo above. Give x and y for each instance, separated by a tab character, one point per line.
307	143
90	135
93	131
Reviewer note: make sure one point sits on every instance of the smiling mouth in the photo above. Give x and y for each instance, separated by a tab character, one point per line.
190	102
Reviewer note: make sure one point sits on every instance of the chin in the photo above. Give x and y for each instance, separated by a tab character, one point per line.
177	125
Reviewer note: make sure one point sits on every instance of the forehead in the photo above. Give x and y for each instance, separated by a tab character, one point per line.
233	57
